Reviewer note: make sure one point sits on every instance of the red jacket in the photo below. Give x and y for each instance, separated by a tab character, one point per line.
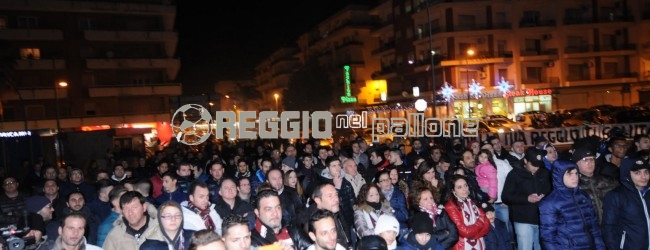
156	185
479	229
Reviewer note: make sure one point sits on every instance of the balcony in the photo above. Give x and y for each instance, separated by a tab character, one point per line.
603	50
524	23
538	55
40	64
502	26
615	18
385	72
578	20
481	58
348	43
106	7
626	77
621	75
131	90
553	80
470	27
384	49
36	93
171	65
31	34
130	36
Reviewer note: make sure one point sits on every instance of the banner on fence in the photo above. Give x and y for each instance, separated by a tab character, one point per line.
568	135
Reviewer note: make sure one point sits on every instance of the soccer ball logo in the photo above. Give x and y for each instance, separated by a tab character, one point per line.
191	124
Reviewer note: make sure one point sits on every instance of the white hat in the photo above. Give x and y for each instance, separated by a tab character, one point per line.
386	223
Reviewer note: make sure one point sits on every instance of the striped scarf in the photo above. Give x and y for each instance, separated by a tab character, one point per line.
205	215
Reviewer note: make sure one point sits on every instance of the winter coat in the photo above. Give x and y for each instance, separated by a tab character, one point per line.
498	238
567	217
119	239
193	221
291	205
156	185
521	183
241	208
105	227
178	196
626	220
596	187
477	230
151	244
398	203
346	196
486	176
58	245
408	242
444	230
365	217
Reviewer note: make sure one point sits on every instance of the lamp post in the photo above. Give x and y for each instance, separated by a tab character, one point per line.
59	147
276	101
470	52
433	65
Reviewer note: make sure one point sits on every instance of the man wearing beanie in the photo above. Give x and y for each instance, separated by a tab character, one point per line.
40	212
420	235
595	185
388	227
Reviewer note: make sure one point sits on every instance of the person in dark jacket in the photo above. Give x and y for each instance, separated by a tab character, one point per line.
595	185
444	230
171	191
395	196
78	184
229	203
333	174
626	219
523	190
498	238
567	217
419	237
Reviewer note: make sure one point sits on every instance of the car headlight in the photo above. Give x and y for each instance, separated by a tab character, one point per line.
500	130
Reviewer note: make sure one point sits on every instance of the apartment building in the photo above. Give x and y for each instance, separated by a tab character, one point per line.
272	76
88	65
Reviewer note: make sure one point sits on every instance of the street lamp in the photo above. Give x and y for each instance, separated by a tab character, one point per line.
433	65
276	101
470	52
59	147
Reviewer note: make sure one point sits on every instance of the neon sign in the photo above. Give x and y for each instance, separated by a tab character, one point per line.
529	92
347	98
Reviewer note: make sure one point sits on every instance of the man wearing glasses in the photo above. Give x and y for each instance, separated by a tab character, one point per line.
12	202
135	226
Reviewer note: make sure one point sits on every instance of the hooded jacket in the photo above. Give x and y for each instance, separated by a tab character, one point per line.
178	241
567	217
626	220
365	216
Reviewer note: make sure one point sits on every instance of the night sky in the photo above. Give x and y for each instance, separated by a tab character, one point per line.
225	42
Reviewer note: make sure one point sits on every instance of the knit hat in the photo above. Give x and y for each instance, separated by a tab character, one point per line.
421	223
386	223
36	203
372	242
582	153
535	157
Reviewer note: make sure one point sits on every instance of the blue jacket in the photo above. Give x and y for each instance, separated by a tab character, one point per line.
105	227
498	238
177	196
567	216
625	220
157	245
398	203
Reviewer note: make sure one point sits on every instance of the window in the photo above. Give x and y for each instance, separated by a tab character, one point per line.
466	22
533	45
533	74
35	111
610	69
500	19
3	22
86	23
27	22
30	53
578	72
531	17
407	7
502	46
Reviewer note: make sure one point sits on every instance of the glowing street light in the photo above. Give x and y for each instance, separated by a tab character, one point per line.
276	101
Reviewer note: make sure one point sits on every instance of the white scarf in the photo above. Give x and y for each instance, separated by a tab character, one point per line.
470	216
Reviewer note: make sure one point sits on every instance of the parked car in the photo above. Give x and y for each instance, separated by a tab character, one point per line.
586	117
630	116
501	122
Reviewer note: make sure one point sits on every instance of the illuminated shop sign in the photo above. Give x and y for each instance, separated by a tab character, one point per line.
529	92
13	134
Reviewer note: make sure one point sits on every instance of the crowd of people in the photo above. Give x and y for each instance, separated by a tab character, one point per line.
258	195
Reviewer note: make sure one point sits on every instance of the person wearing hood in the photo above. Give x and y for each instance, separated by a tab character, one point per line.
567	217
626	219
170	220
551	155
119	175
419	237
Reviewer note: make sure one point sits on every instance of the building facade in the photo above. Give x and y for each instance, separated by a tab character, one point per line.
78	66
552	54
